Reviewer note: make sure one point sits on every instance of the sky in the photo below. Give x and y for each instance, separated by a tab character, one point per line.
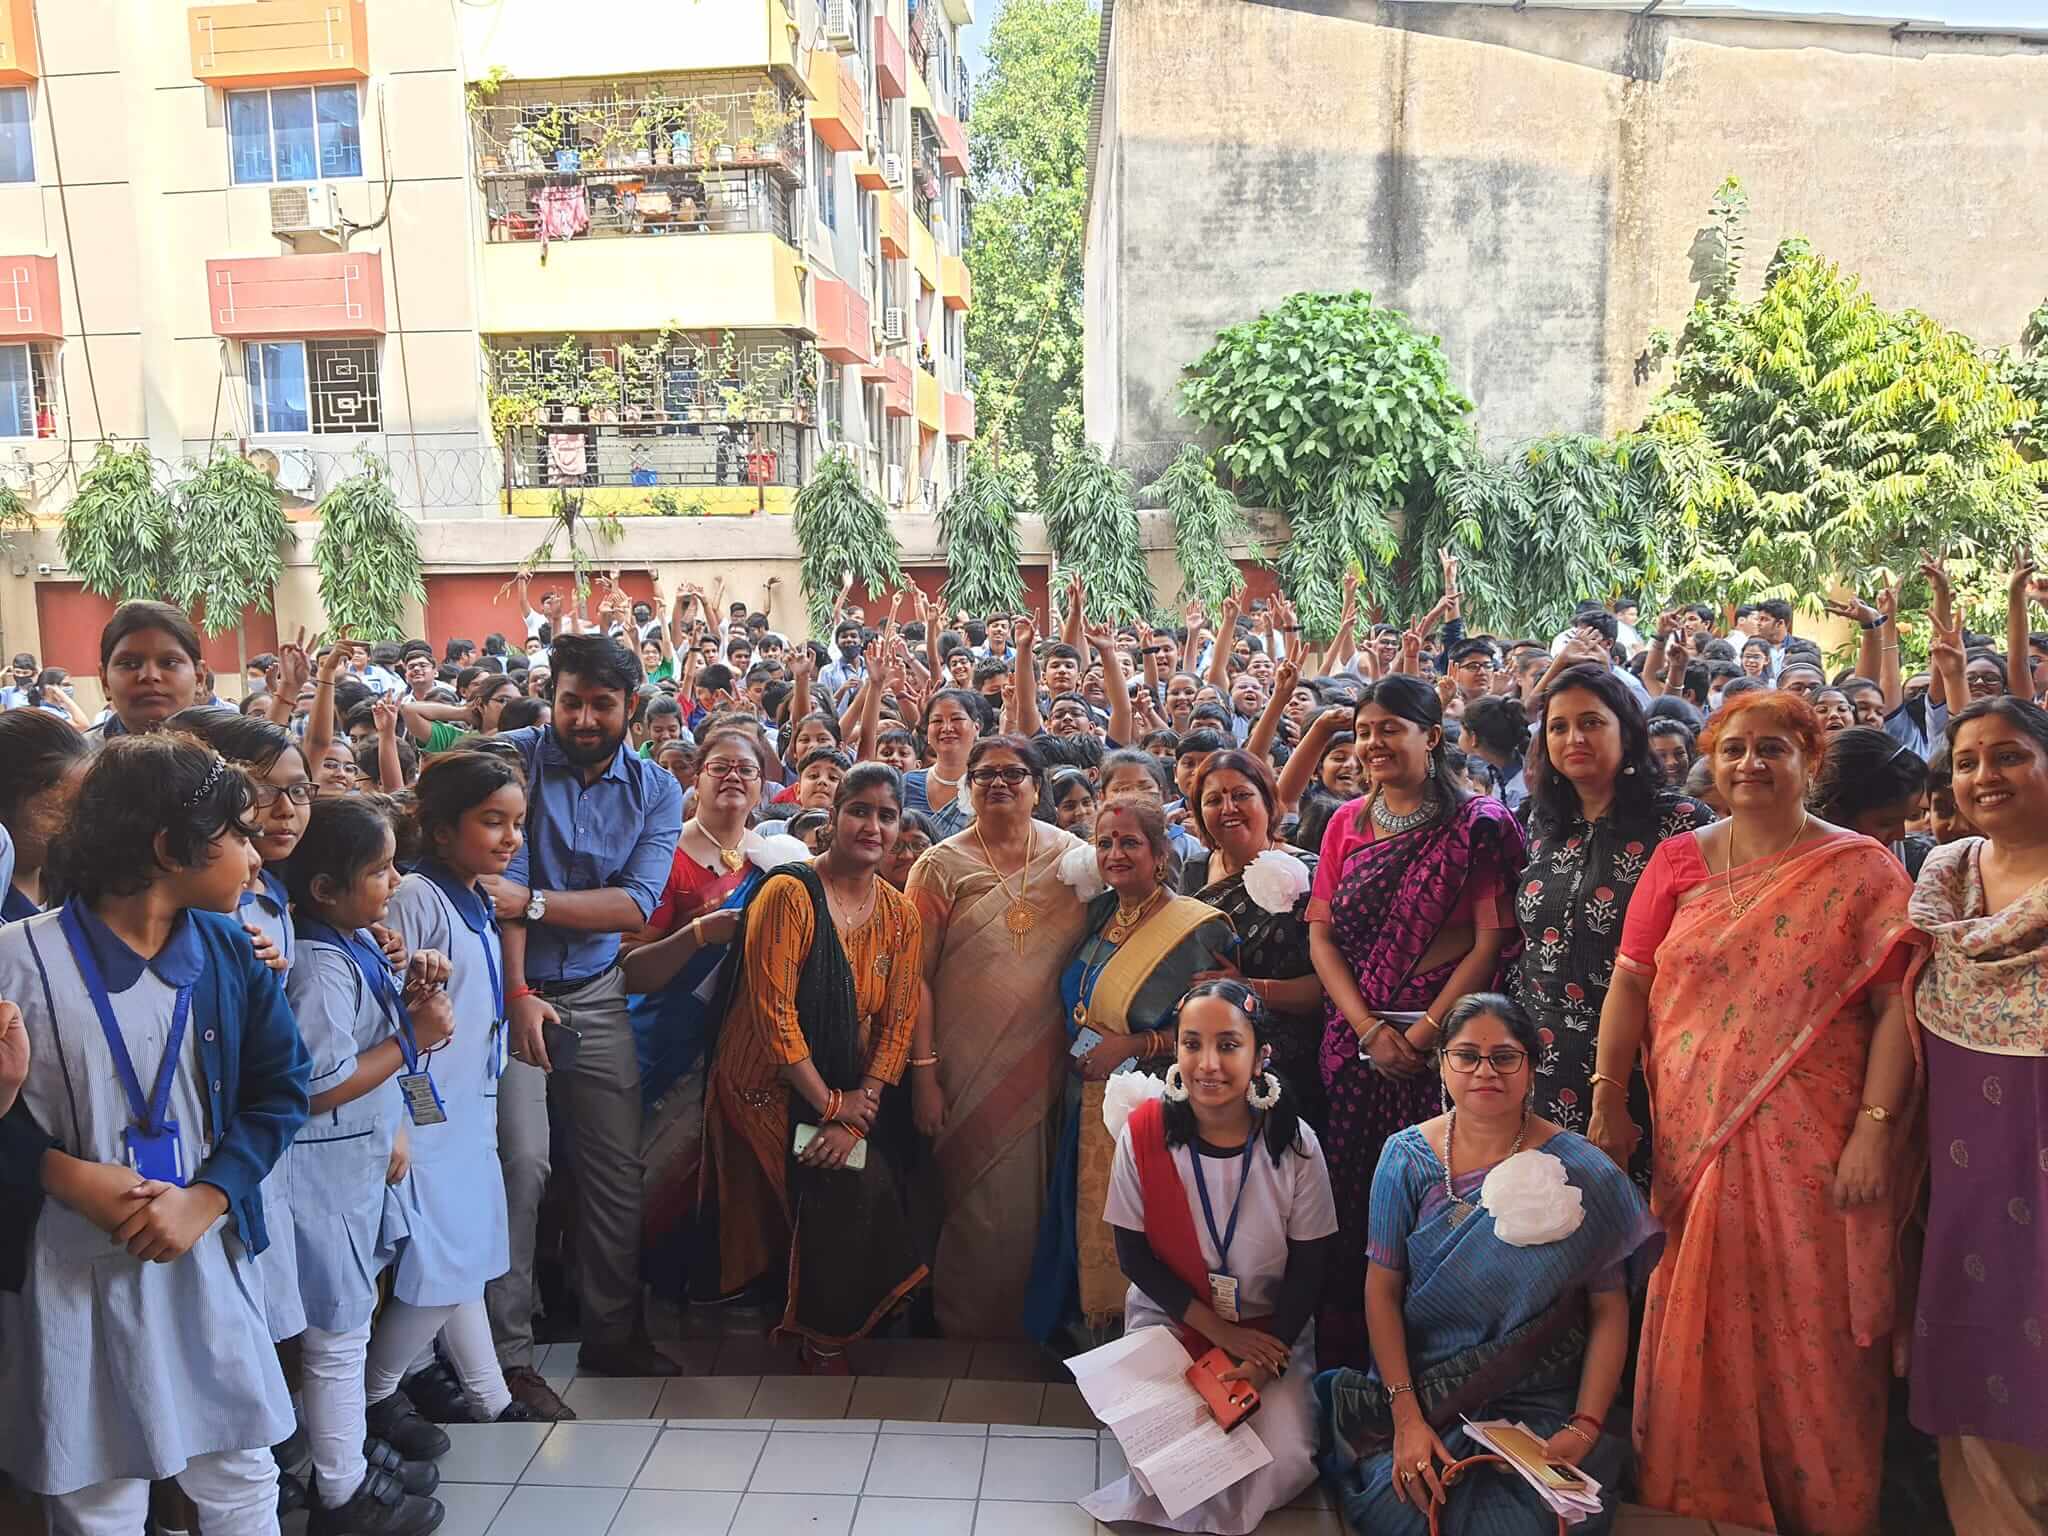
1962	13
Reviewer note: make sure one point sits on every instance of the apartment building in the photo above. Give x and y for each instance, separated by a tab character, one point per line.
658	256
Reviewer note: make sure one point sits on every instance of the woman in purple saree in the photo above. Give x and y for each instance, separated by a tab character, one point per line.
1411	910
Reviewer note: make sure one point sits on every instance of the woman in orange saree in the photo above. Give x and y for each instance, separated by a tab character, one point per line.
1760	969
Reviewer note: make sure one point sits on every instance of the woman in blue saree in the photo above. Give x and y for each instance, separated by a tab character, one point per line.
1144	948
1501	1252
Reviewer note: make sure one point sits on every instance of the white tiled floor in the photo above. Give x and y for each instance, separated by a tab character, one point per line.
787	1477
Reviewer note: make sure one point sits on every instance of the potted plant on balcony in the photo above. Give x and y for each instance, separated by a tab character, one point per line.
711	141
771	122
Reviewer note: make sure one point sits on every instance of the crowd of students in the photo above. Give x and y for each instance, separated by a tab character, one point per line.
1631	1032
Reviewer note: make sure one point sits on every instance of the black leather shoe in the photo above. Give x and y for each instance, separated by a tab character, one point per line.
413	1476
381	1507
398	1424
291	1494
438	1396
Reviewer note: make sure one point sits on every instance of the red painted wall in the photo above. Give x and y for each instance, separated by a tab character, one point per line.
467	603
931	579
71	619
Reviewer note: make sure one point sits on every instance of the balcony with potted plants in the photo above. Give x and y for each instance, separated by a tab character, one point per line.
666	424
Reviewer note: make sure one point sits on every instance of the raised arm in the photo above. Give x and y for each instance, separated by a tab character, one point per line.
2019	671
871	704
390	771
1071	631
1307	756
320	719
1259	741
1028	722
1103	638
1942	616
1218	672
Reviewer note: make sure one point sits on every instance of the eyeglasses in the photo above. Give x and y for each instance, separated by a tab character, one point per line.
732	768
264	796
1012	776
1505	1060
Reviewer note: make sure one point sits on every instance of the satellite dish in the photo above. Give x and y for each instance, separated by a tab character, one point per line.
264	460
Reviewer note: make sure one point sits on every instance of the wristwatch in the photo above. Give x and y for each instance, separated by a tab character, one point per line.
537	907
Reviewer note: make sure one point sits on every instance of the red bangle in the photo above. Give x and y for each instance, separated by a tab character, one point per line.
518	992
1585	1418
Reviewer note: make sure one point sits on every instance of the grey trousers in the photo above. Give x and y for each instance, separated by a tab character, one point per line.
598	1100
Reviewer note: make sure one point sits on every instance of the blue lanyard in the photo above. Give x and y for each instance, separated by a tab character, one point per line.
282	900
465	900
1244	1177
377	976
151	1116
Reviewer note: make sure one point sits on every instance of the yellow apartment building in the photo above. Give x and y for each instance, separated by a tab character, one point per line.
658	256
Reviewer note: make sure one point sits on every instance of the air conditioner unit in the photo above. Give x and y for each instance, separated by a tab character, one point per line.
895	485
305	209
894	325
892	169
841	17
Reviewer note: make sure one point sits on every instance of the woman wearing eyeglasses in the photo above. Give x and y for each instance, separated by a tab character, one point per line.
685	938
1501	1252
988	1065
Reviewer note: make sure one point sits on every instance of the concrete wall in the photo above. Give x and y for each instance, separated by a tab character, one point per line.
1528	186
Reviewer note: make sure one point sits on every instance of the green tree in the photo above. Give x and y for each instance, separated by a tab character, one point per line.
367	555
116	534
841	526
1337	411
1028	140
1092	524
984	556
226	549
1810	436
2029	377
1207	525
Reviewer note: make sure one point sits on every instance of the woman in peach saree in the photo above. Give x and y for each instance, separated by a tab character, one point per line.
998	926
1760	969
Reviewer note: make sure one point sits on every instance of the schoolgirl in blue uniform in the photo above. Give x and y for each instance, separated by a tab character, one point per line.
165	1077
470	811
368	1038
42	762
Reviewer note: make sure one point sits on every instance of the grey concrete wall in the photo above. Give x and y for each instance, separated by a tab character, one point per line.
1528	186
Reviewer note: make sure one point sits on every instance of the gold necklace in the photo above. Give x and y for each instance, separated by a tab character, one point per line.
845	921
1022	917
731	857
1127	919
1739	905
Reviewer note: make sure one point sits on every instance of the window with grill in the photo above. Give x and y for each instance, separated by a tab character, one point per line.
296	133
322	387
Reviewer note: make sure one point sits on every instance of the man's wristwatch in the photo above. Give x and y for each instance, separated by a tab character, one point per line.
537	907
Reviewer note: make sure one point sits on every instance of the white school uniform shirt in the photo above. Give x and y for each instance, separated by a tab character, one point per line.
451	1202
339	1158
111	1367
269	910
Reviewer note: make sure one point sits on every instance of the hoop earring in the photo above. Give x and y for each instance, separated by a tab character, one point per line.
1263	1093
1176	1085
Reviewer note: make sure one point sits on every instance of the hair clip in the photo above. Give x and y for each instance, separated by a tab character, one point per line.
213	777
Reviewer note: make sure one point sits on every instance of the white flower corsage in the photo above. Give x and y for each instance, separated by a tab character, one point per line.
1276	880
1077	868
1122	1095
1531	1200
776	850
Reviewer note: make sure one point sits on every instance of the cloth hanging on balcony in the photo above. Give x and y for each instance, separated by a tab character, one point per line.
566	458
564	212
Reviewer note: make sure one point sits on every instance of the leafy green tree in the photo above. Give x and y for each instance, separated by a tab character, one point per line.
2029	377
1028	140
226	550
984	556
1207	525
1337	411
368	556
1093	526
116	534
842	526
1814	436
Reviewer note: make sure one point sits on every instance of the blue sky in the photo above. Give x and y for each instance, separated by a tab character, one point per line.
1962	13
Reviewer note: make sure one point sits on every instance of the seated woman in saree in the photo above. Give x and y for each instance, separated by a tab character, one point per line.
1262	886
1410	911
1220	1179
823	1000
1761	971
1503	1250
1143	947
719	864
998	924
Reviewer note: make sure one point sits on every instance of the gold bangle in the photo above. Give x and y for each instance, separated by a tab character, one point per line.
1406	1386
925	1061
1578	1429
1601	1077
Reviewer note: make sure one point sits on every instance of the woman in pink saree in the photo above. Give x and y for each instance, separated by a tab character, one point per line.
1760	970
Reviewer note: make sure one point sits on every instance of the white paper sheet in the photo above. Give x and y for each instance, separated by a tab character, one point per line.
1137	1386
1573	1506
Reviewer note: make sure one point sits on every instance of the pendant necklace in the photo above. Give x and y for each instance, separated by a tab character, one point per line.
1022	917
1739	906
731	857
1461	1209
1393	823
1114	932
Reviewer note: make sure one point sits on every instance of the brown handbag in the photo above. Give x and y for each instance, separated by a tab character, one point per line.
1458	1469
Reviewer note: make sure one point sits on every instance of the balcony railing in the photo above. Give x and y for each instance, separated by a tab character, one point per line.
653	386
658	200
533	128
675	455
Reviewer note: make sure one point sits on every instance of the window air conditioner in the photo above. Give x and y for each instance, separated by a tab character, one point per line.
306	208
893	326
892	169
840	20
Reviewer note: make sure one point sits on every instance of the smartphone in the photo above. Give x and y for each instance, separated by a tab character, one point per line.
1084	1042
856	1160
561	1042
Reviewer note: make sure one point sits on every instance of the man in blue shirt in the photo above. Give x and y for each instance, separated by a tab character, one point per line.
601	829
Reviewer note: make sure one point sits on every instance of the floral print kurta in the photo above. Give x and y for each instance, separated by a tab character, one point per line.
1570	903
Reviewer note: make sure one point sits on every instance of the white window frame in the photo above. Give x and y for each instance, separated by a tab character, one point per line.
42	389
258	410
270	118
28	127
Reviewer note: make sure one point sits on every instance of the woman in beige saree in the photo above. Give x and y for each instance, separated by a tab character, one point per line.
998	926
